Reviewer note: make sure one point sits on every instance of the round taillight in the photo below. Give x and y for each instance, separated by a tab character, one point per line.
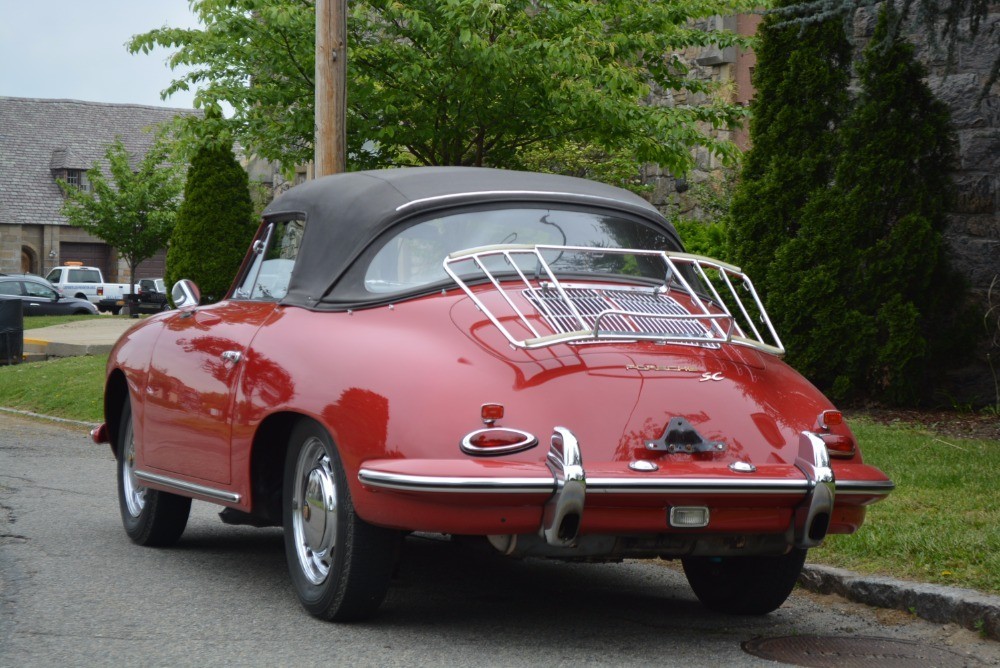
497	441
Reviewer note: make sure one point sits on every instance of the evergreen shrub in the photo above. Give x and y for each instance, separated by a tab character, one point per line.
215	223
861	294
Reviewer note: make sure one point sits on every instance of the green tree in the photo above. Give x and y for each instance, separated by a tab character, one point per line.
215	223
801	80
468	82
134	209
862	294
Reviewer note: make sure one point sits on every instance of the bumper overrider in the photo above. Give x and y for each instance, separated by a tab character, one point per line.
797	502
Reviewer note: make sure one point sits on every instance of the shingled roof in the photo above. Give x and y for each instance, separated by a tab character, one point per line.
39	136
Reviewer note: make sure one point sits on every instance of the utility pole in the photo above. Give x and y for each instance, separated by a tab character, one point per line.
330	145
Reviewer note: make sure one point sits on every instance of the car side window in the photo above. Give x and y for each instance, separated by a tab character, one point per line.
53	276
274	251
37	290
10	288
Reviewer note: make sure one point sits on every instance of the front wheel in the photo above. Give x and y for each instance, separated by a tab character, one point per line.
744	585
150	517
339	564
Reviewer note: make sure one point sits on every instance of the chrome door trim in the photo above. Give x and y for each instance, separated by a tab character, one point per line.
188	487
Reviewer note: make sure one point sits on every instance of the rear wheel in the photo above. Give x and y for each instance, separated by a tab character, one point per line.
150	517
744	585
339	564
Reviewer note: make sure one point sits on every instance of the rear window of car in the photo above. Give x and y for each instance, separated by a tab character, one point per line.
84	276
413	257
10	288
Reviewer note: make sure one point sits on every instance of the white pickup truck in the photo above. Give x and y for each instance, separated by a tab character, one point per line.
75	280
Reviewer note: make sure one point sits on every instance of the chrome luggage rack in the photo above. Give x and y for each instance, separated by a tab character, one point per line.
554	312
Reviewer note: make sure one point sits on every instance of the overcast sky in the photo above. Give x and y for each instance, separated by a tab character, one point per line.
76	50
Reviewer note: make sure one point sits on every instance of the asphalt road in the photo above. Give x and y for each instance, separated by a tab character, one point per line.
75	592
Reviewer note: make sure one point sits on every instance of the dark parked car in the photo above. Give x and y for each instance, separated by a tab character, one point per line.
150	297
40	297
153	295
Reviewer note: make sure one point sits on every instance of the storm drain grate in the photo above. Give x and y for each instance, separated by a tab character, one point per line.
853	652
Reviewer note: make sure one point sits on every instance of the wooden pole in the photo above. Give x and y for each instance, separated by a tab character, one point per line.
331	87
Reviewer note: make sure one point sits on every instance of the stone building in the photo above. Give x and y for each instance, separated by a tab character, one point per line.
45	140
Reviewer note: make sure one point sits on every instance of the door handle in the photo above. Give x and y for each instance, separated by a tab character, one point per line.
233	356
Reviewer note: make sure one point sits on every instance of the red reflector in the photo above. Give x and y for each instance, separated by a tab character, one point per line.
495	438
491	412
831	418
839	446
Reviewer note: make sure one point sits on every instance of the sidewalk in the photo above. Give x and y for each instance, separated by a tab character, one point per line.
83	337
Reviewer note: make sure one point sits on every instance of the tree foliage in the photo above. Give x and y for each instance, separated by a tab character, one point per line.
861	292
468	82
215	223
133	210
801	99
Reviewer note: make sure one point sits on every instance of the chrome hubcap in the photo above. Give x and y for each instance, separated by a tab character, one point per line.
314	514
135	494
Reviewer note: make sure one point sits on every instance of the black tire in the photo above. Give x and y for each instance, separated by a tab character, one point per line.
744	585
150	517
339	564
116	310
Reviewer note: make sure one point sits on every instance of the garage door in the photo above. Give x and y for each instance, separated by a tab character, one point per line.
91	255
154	267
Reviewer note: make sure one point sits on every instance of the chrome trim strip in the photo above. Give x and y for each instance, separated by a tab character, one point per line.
456	484
529	193
189	487
644	485
697	485
867	487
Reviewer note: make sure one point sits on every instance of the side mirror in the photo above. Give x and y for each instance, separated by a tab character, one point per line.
185	293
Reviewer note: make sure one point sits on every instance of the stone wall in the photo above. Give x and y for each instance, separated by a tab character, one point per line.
972	234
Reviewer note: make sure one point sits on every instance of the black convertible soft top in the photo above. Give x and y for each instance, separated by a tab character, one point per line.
344	213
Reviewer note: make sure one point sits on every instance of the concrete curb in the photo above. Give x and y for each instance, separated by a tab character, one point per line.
51	418
59	349
966	607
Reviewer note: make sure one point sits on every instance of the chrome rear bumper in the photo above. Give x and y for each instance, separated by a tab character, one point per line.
562	486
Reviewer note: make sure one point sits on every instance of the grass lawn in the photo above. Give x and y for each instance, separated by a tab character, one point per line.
941	524
71	387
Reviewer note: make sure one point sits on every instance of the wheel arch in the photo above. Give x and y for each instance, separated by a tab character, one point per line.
267	462
115	396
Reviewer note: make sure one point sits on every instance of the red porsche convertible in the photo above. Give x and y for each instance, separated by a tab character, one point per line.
525	358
